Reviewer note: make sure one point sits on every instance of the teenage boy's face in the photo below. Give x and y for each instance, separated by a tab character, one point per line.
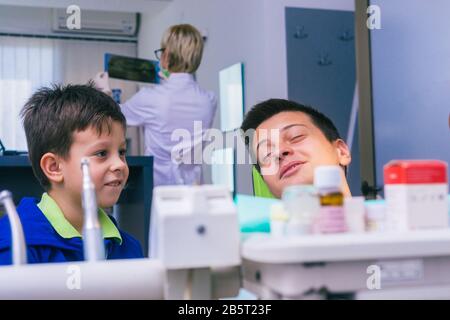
107	163
289	147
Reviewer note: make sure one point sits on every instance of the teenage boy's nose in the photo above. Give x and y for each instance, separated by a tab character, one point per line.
285	151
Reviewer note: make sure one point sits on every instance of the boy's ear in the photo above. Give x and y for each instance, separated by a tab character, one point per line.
50	165
343	152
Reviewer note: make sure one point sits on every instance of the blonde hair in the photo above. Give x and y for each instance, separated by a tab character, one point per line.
183	45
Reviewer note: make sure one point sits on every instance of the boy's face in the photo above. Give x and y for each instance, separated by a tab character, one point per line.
107	163
289	147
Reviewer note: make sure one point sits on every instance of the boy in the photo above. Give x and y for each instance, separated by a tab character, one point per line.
290	140
63	125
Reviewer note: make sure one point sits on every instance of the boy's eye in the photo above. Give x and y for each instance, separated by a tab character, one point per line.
123	152
102	153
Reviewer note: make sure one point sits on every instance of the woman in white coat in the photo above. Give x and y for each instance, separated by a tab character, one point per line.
174	105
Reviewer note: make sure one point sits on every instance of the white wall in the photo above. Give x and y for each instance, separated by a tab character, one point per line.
248	31
251	31
234	35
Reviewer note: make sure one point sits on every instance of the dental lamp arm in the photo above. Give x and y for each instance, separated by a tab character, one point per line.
18	247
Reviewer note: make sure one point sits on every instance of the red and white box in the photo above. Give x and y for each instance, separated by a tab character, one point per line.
416	194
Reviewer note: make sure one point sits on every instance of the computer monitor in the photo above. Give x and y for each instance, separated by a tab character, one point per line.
223	168
231	84
5	152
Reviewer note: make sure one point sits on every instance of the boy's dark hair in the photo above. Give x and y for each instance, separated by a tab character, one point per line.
52	115
267	109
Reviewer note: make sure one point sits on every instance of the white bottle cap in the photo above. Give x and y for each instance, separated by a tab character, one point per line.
327	177
278	213
278	219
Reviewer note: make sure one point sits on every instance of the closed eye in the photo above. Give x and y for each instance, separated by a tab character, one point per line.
297	138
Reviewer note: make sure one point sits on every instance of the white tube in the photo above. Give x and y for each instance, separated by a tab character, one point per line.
94	248
113	279
18	247
353	118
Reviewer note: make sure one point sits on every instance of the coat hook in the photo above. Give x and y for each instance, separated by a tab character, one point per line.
300	32
346	36
324	60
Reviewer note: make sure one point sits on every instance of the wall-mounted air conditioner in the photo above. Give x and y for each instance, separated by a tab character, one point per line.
101	23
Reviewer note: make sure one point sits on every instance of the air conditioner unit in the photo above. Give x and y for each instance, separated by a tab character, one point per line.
101	23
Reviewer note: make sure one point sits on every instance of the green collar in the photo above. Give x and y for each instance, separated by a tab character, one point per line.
54	215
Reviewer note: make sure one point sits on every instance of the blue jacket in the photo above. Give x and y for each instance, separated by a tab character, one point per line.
44	244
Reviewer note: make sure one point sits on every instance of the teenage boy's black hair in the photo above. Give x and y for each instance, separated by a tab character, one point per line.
52	115
267	109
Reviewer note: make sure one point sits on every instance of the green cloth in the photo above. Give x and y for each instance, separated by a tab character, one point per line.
260	188
55	216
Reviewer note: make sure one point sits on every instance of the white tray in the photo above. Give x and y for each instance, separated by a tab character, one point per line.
344	247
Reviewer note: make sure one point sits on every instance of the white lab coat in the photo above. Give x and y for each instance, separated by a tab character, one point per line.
175	104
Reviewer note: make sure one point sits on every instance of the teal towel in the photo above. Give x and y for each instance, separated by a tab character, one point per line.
254	213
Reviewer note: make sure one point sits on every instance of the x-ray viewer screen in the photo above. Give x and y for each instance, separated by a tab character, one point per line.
231	97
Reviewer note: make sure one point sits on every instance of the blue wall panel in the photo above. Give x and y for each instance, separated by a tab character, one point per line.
321	69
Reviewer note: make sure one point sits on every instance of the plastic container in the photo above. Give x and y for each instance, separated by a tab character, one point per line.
302	206
376	216
278	220
355	214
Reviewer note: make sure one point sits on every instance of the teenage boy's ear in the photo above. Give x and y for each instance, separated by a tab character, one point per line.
343	152
50	165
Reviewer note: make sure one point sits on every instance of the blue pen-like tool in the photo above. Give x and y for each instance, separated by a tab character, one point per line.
94	248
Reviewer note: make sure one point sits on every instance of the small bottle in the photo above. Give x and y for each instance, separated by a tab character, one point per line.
355	214
301	205
331	218
278	220
376	217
